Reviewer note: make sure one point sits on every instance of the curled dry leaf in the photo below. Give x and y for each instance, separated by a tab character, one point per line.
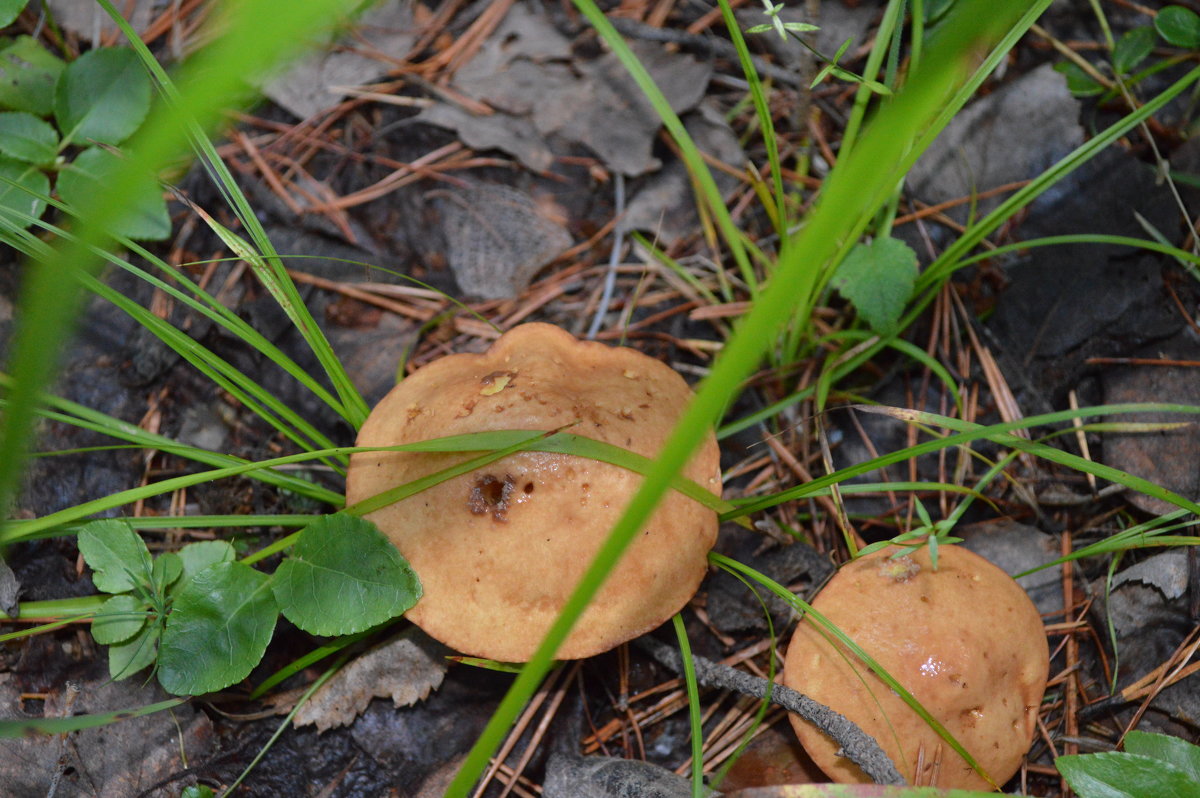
406	668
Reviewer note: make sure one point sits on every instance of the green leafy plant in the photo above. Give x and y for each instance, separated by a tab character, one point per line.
205	619
1151	766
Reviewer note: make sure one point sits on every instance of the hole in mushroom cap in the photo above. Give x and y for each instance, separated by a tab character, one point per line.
489	496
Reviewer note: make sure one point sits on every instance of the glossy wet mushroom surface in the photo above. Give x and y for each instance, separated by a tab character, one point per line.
964	640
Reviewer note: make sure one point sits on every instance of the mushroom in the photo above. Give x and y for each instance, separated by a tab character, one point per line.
500	549
964	640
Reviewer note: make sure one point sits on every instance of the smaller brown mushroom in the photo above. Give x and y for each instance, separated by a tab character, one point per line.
964	639
499	550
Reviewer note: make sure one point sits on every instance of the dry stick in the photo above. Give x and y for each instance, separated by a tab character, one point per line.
856	745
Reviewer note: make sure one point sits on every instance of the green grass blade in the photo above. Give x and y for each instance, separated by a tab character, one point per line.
693	694
21	728
853	192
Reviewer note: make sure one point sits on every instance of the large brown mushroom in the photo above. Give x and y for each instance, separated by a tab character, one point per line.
500	549
964	639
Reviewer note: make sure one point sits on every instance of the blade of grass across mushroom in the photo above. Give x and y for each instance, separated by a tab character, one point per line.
255	35
831	631
997	433
853	193
261	257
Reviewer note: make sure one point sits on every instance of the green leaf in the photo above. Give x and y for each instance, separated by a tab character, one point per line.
218	630
143	218
1118	775
118	558
1132	48
1079	83
1179	26
24	197
167	568
1172	750
195	557
102	96
9	9
126	659
119	619
28	74
25	137
878	279
343	576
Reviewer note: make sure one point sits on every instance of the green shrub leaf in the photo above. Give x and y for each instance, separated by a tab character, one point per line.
1121	775
195	557
1179	26
1173	750
878	279
24	197
9	9
28	74
118	558
25	137
167	568
119	619
218	630
1132	49
102	96
1079	83
126	659
343	576
144	217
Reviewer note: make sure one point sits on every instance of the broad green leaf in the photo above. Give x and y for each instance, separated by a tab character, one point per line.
9	9
1120	775
1079	83
102	96
1132	49
118	558
126	659
119	618
218	630
144	217
28	74
1180	26
24	197
343	576
1172	750
25	137
167	568
878	279
195	557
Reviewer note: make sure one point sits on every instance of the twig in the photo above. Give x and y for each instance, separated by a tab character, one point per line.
856	745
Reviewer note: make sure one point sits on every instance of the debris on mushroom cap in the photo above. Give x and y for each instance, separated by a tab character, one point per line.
500	549
965	640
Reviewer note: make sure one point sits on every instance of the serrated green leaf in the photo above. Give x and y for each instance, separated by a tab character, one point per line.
195	557
218	630
25	197
118	558
877	278
26	138
145	216
167	568
1132	48
1177	752
343	576
28	74
9	10
102	96
1180	26
118	620
126	659
1120	775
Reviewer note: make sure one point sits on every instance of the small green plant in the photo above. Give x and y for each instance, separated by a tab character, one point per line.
1151	766
204	619
64	120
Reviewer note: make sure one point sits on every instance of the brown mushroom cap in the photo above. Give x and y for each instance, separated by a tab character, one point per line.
965	640
499	550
